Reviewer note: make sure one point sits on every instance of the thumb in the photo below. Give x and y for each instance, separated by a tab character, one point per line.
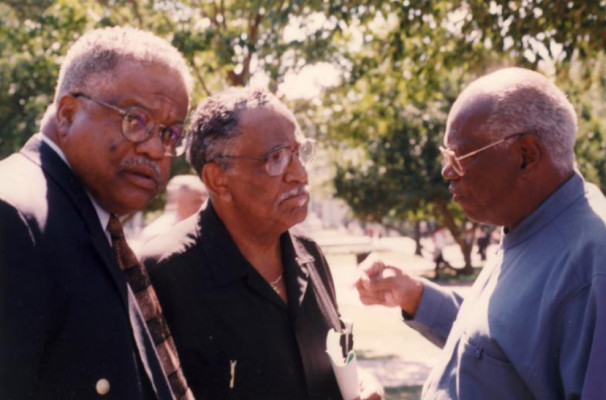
374	269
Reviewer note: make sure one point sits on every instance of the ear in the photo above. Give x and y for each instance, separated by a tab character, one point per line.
66	111
216	180
531	152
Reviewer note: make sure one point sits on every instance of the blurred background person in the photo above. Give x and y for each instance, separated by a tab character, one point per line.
185	194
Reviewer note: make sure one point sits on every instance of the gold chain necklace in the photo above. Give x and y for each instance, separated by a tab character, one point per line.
274	284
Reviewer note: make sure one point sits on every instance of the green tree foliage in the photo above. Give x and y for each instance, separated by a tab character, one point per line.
225	41
31	43
561	30
228	39
402	62
403	80
393	108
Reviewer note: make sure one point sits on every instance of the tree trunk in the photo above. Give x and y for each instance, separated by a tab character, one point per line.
418	246
459	236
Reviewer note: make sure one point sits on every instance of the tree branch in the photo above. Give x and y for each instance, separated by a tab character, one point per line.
222	11
253	30
200	77
138	16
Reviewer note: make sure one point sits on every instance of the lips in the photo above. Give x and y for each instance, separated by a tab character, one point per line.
457	195
142	172
299	195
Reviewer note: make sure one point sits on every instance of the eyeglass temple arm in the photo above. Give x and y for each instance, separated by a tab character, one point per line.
80	94
473	153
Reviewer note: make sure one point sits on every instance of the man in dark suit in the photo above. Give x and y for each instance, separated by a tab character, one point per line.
249	301
70	327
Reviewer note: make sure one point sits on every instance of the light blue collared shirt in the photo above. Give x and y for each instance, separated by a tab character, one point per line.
101	213
534	323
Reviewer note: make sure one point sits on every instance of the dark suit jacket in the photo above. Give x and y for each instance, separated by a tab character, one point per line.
220	310
64	307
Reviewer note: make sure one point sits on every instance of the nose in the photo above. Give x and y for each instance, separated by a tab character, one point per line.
296	171
449	173
152	146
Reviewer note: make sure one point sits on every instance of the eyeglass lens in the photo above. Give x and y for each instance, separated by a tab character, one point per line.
278	160
448	158
137	125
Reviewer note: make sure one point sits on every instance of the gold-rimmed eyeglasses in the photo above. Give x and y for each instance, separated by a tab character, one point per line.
451	159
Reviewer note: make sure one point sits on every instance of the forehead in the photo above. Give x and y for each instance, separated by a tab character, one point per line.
267	127
466	120
153	86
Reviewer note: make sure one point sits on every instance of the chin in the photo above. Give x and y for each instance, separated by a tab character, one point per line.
130	205
297	217
481	219
474	215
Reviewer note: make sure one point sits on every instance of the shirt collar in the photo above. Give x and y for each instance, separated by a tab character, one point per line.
227	263
560	200
55	148
101	213
225	260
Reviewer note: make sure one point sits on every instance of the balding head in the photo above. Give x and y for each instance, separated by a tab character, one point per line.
509	145
516	100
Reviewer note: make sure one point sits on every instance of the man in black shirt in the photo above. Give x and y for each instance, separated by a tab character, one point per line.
249	301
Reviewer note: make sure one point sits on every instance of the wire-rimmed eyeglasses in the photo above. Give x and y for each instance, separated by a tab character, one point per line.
277	160
451	159
138	125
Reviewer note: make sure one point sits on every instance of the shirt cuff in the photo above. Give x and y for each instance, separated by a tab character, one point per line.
437	310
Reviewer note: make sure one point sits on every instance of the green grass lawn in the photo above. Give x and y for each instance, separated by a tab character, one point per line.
397	355
403	393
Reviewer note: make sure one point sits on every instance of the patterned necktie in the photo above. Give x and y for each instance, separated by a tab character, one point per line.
138	279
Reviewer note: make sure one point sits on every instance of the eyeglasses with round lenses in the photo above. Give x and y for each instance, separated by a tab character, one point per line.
138	125
449	157
277	160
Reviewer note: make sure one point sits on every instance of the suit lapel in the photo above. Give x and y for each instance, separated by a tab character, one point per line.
41	154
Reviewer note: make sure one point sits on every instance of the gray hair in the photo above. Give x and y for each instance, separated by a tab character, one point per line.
216	122
526	101
90	61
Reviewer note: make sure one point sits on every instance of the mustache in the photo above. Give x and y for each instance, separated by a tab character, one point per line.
292	192
144	161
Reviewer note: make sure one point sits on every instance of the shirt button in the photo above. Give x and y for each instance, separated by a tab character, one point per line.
102	387
477	353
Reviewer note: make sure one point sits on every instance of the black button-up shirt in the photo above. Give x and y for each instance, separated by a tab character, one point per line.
236	338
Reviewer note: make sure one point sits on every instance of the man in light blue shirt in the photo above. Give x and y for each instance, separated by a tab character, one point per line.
534	322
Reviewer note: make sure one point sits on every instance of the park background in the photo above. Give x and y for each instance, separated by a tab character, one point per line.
372	82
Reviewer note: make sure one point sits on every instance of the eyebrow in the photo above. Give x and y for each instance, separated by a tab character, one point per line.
135	103
451	148
276	147
153	112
